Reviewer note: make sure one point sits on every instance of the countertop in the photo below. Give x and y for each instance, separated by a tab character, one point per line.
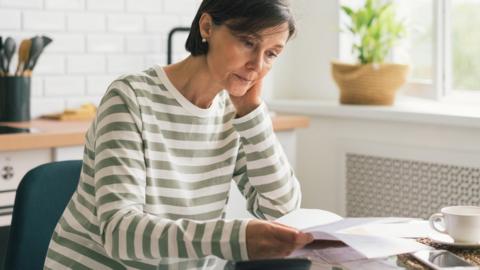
52	133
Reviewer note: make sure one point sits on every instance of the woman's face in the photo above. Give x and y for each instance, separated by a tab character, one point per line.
237	61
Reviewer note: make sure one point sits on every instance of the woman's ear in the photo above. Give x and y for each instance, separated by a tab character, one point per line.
205	25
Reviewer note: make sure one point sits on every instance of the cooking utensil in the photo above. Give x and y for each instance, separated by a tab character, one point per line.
1	57
23	55
3	64
46	41
8	51
35	52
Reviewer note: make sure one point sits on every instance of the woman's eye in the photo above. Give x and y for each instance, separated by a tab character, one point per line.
248	43
271	55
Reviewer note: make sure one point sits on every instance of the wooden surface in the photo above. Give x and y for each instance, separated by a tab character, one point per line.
51	133
44	134
288	122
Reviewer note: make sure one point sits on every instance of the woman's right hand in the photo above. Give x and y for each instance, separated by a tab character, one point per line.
266	240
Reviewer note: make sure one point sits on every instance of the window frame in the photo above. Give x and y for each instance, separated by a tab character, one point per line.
440	88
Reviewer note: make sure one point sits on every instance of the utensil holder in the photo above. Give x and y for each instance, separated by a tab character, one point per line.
15	99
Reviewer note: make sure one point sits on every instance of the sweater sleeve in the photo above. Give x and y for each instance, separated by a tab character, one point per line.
127	232
262	171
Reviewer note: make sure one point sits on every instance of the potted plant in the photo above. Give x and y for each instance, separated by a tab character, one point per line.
376	30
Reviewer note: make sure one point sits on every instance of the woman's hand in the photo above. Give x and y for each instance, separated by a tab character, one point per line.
272	240
250	101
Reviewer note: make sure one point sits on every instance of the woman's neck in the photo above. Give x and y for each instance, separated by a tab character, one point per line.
193	80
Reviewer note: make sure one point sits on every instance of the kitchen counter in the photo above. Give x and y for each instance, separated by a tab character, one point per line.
50	133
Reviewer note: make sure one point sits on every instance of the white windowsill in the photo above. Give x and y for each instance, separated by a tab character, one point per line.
413	110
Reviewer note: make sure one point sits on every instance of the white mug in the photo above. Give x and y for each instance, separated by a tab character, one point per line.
462	223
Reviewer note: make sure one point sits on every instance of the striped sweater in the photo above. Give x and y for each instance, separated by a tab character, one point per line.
156	176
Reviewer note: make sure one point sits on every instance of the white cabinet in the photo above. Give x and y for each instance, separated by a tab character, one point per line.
13	166
68	153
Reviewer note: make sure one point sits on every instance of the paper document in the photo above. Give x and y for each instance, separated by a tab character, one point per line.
360	234
410	229
304	218
378	246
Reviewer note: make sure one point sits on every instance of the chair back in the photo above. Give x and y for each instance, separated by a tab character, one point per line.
40	200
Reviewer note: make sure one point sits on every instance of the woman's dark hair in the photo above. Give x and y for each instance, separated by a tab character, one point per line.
240	16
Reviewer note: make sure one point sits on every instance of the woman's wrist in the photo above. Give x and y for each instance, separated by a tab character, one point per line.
246	109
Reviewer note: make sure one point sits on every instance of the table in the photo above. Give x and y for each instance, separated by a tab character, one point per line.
403	261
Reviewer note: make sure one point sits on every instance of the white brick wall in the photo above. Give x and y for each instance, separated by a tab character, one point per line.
94	41
43	20
106	5
10	19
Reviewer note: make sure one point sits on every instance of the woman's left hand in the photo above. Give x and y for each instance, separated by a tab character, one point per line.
250	101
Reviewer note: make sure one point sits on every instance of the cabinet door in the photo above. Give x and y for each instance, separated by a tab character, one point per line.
68	153
13	166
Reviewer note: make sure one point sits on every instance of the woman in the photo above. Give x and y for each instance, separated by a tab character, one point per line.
167	142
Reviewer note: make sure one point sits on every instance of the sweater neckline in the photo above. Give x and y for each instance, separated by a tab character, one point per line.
182	100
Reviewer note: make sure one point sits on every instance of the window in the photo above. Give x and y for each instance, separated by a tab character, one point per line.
442	47
418	45
465	42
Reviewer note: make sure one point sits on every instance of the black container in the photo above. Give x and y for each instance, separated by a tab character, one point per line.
15	99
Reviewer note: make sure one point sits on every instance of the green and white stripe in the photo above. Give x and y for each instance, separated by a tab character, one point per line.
156	176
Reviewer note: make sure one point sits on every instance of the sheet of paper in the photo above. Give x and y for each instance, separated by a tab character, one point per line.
363	235
330	252
337	255
304	218
340	225
372	246
331	255
412	229
378	246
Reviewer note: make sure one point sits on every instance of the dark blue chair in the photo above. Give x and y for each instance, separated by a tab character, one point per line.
41	198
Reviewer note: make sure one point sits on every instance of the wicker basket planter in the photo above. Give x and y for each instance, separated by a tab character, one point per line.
369	84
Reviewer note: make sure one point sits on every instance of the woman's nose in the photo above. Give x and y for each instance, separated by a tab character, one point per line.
256	62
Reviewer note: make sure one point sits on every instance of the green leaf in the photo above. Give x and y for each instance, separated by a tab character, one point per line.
376	30
347	10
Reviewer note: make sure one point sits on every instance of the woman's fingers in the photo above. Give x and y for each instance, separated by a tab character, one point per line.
291	238
304	239
299	238
283	225
273	240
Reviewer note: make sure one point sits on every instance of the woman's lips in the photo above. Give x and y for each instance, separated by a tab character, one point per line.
242	78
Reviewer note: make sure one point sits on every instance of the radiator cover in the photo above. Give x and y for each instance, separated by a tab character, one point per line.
384	186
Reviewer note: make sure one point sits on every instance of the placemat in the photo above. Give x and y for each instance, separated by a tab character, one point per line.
470	254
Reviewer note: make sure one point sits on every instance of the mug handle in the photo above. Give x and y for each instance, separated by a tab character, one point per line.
433	221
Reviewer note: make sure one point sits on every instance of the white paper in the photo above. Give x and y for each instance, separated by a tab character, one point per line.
378	246
304	218
357	233
337	255
411	229
340	225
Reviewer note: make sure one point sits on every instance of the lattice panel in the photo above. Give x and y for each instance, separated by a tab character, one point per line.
380	186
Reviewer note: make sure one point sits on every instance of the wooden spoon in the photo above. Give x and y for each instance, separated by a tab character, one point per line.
23	55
